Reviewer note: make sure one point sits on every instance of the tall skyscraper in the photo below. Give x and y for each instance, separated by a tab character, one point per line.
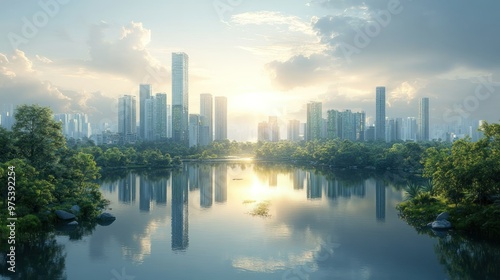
180	97
206	111
144	94
127	118
314	121
293	130
220	118
423	119
380	114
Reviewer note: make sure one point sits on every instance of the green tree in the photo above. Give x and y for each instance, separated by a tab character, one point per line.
37	136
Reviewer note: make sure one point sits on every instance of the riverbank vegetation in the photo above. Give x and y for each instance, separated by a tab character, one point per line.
465	182
44	174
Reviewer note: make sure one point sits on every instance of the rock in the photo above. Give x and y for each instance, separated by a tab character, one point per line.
73	223
75	209
443	216
441	224
63	215
106	217
429	225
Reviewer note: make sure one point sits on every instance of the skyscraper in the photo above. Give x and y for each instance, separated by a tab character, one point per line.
220	118
127	118
314	121
160	120
206	111
293	130
144	94
380	114
180	97
423	119
274	129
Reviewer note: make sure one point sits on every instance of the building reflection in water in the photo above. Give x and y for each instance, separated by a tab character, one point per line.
298	177
180	213
206	186
220	183
314	185
145	194
193	171
380	200
126	188
273	178
339	188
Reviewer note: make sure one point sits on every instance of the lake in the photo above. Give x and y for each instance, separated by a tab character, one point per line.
258	221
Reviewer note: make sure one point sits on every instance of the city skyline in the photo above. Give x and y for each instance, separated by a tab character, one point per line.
269	59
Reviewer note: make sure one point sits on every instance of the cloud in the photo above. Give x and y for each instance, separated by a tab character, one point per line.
420	48
125	56
20	84
300	71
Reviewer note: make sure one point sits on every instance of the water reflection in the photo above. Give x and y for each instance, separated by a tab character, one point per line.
324	225
380	199
180	210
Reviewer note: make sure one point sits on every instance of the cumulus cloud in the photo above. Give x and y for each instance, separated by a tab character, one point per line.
20	84
126	55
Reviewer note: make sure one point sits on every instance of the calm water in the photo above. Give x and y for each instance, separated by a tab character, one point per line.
197	223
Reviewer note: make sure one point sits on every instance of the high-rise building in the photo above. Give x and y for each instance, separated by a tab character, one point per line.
423	119
7	116
380	114
274	129
127	126
263	132
180	97
194	130
220	118
293	130
155	117
346	125
206	112
144	94
314	121
74	126
160	120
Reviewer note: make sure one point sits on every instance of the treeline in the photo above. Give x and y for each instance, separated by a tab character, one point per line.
159	154
39	173
405	156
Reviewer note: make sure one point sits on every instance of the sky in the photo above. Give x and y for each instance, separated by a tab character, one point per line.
270	58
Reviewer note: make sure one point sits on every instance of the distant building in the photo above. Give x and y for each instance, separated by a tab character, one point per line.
7	116
127	127
423	119
380	114
76	126
194	130
293	130
274	129
346	125
144	94
155	118
220	122
206	112
370	134
263	132
314	121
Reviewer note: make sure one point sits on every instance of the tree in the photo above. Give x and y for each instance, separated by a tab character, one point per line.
37	136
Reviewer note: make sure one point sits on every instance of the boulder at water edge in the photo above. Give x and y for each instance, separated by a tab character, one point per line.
73	223
75	209
106	217
63	215
441	224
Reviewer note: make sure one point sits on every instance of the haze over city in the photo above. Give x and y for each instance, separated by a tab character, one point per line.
267	58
